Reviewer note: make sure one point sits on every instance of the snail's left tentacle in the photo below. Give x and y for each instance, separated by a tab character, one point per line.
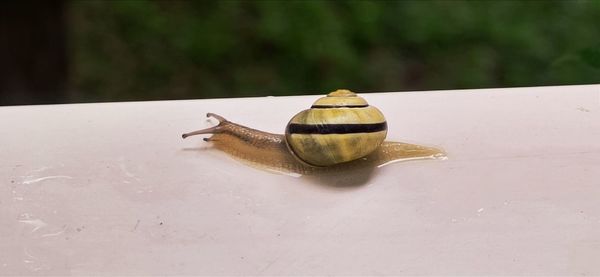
217	117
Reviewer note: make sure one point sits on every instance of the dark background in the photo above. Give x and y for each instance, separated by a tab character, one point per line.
85	51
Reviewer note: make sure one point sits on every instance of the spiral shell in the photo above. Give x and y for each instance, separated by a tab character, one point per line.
338	128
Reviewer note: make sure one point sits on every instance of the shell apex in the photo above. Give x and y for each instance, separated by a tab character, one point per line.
340	98
341	93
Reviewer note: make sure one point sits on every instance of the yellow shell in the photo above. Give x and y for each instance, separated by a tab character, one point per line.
338	128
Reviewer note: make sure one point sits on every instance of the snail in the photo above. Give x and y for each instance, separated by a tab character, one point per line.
339	131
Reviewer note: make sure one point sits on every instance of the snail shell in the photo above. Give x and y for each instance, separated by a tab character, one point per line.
338	128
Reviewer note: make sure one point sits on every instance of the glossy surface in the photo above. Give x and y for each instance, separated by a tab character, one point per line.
113	189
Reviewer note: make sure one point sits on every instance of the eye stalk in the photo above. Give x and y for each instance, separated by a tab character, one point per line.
211	130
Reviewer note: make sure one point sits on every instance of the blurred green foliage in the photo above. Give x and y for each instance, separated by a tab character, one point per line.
142	50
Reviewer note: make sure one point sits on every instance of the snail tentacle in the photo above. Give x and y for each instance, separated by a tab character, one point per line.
217	117
212	130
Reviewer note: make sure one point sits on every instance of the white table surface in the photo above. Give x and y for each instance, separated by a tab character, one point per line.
113	189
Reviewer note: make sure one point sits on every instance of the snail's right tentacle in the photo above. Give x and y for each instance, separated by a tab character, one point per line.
211	130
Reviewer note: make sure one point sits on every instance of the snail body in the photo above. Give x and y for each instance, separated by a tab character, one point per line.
339	131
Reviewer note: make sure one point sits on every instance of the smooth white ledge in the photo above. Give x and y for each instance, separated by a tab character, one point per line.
113	189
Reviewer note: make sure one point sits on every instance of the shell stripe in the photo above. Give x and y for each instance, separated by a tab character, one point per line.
323	129
335	107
